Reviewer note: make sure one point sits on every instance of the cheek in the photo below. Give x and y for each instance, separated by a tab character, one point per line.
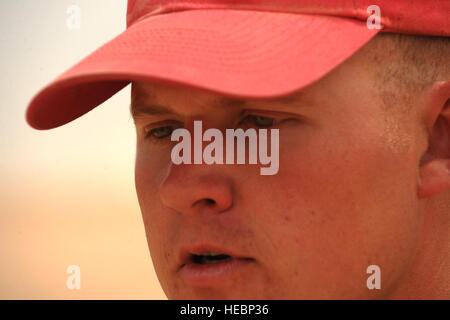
150	170
144	179
342	204
351	171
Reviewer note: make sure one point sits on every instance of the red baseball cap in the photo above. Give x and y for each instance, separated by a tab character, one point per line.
238	48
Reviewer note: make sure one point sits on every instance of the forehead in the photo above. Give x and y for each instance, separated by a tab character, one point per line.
154	98
157	91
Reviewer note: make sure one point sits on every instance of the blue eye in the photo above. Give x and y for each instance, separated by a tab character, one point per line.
260	121
160	133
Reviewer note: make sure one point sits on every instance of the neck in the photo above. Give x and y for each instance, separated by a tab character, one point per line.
429	276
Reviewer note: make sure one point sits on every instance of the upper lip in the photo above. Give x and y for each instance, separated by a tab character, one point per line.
186	252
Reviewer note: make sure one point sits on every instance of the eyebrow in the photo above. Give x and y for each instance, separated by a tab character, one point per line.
143	108
139	109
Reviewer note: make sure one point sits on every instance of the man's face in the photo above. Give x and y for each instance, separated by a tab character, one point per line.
344	197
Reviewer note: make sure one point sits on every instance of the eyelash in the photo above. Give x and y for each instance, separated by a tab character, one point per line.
149	135
247	119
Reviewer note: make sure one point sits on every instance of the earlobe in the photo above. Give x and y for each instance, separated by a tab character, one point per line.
434	178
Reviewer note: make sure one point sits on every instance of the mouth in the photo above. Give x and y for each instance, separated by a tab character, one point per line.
211	266
210	257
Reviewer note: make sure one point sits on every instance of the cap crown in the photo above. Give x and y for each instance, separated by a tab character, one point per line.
402	16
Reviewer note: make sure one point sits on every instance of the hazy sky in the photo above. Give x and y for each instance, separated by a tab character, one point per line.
67	195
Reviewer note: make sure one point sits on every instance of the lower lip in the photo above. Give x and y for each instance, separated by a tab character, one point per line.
213	273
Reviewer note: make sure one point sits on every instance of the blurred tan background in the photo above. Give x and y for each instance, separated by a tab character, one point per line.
67	195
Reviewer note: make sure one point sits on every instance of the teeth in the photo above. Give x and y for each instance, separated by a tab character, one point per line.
211	254
210	257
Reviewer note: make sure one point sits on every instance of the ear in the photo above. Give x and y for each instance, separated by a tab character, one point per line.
435	163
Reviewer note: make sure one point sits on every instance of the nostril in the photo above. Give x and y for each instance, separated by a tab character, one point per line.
207	202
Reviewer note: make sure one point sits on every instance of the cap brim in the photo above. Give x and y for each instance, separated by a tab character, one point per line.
246	54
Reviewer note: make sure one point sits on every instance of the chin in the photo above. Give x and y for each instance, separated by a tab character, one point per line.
213	294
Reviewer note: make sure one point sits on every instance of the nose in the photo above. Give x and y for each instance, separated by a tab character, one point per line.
189	188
